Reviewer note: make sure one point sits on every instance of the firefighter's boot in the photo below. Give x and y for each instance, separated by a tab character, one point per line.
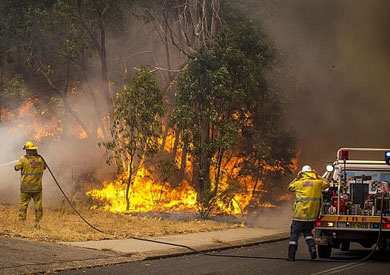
38	215
312	247
292	249
313	254
22	214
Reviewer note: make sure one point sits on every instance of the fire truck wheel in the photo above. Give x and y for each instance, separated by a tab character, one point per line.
324	251
345	246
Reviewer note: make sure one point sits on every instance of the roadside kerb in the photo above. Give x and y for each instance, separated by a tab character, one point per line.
216	247
203	241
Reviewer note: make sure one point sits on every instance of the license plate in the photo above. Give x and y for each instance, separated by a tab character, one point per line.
358	225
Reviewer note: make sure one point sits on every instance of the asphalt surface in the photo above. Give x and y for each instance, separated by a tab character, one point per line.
340	263
24	257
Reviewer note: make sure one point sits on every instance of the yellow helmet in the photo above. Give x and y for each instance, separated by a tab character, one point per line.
29	146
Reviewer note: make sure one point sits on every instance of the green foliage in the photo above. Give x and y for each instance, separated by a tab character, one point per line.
14	91
136	125
224	100
137	120
56	36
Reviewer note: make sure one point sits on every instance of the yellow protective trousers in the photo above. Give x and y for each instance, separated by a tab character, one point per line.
23	204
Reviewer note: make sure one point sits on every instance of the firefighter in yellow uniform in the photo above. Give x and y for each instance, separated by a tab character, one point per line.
31	166
308	187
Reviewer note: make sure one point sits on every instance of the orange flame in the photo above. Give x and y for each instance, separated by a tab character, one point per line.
37	124
145	195
32	121
148	195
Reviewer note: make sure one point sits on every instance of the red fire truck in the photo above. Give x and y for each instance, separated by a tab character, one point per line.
356	207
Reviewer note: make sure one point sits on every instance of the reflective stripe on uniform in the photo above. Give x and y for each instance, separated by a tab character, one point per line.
309	238
30	191
308	199
292	243
32	174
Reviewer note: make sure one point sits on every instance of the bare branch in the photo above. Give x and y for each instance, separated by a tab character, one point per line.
162	69
86	27
70	110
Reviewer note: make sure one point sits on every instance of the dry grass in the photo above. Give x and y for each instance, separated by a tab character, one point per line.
64	225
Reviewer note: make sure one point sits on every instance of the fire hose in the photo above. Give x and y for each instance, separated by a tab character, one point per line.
185	246
380	228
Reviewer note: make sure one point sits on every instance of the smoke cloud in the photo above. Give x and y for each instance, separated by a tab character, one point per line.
272	218
11	150
337	57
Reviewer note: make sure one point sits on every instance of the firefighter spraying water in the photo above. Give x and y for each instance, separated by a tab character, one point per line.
31	167
307	188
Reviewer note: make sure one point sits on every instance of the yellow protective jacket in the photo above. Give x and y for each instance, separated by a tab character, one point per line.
31	167
307	189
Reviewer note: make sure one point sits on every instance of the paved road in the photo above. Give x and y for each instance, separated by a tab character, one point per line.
340	263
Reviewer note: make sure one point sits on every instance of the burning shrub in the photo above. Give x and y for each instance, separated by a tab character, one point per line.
136	127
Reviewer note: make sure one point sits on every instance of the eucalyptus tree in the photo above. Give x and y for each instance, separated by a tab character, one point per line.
136	125
182	26
222	96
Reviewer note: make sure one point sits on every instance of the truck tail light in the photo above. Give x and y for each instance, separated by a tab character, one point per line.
344	155
386	226
319	224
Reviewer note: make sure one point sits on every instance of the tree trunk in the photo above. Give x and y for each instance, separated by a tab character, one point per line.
218	174
175	144
164	135
103	59
215	5
258	172
93	98
67	106
183	161
100	46
65	98
204	160
128	183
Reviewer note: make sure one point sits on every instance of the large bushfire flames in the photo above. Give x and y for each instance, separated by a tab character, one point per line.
147	194
38	123
33	121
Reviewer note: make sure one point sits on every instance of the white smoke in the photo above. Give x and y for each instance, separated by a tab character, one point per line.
11	147
272	218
